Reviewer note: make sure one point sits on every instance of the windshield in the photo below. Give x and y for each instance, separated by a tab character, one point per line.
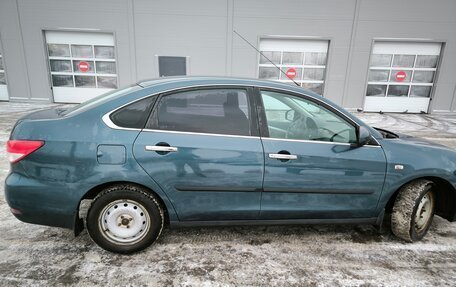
100	99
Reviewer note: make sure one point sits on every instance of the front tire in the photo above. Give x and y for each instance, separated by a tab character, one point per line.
413	210
125	219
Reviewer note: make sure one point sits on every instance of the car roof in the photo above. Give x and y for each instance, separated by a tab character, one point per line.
207	80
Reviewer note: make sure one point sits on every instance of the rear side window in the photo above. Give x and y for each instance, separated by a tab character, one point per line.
219	111
133	115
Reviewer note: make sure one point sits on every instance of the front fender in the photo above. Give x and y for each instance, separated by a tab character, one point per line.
408	161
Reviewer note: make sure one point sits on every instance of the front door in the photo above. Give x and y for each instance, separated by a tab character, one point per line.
202	148
312	169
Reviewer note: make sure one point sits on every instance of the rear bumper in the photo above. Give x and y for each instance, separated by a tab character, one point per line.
38	202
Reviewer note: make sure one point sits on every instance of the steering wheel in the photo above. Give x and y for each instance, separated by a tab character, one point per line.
302	128
336	134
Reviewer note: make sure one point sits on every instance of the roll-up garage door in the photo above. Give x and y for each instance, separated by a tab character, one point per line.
82	65
3	88
401	76
302	60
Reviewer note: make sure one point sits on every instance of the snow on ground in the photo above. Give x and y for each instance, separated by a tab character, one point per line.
235	256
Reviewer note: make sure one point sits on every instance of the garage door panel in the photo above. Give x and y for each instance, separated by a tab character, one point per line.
396	104
82	65
3	88
72	95
401	76
302	61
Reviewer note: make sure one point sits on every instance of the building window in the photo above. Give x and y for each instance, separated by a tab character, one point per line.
302	61
172	66
82	66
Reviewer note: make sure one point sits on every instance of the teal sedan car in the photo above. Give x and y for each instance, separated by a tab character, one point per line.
219	151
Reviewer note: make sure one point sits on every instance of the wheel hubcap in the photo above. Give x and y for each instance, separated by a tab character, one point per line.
424	211
124	222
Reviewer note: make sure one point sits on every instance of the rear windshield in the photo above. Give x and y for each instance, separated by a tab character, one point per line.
100	100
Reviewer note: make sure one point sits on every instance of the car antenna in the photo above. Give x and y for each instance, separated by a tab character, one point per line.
234	31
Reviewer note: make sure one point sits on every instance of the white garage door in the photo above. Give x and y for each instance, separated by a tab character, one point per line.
304	61
81	65
401	76
3	89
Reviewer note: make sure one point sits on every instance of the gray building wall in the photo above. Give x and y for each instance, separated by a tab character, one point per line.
432	20
202	30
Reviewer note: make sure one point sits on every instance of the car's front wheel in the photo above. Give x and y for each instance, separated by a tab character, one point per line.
413	210
125	219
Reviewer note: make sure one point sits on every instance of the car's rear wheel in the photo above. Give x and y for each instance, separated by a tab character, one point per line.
125	219
413	210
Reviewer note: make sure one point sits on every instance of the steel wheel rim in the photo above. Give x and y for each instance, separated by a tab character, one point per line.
124	222
424	211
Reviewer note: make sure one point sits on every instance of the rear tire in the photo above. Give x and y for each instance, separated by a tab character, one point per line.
125	219
413	210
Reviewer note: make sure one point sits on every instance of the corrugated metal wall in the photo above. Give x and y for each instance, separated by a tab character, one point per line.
202	30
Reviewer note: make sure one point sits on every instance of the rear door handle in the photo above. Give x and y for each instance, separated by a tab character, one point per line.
283	156
161	148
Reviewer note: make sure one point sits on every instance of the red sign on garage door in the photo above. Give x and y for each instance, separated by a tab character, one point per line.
83	66
291	73
400	76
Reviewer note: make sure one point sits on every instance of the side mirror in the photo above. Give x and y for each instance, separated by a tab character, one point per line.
289	115
363	136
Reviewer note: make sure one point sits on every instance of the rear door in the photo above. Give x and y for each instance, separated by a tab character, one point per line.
312	168
202	147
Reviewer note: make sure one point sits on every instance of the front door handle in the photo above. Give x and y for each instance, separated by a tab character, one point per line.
283	156
161	148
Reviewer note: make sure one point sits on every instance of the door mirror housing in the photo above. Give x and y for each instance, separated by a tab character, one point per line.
364	136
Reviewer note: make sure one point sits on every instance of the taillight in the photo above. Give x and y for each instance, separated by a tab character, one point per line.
18	149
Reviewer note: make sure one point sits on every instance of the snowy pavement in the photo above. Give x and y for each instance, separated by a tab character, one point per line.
234	256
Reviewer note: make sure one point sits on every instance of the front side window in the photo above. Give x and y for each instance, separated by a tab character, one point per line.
218	111
291	117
